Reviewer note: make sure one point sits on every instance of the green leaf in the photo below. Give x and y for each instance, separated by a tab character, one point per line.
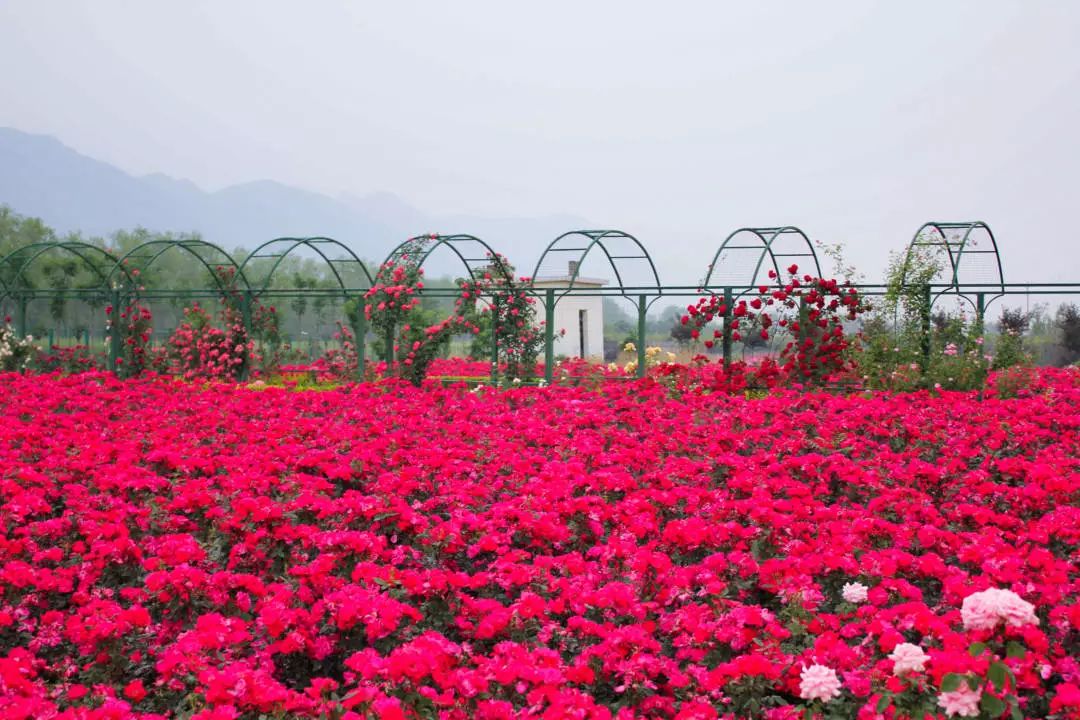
996	673
1014	649
882	704
1016	714
951	682
992	705
977	649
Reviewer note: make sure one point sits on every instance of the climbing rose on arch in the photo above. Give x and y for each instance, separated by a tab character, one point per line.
811	311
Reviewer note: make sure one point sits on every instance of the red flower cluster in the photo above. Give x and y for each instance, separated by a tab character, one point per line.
388	551
811	310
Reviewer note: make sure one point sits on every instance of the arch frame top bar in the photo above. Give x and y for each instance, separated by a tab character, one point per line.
602	239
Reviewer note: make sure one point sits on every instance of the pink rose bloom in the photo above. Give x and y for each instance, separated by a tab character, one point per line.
985	610
819	683
963	702
907	658
854	593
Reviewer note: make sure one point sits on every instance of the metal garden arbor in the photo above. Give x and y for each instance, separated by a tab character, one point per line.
474	253
763	248
957	242
117	279
476	256
623	252
960	241
16	283
745	255
351	275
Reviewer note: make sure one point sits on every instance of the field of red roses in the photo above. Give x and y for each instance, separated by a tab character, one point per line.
624	551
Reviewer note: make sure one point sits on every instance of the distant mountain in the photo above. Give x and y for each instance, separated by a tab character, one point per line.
42	177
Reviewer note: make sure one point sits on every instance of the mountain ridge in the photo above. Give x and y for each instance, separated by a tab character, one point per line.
42	177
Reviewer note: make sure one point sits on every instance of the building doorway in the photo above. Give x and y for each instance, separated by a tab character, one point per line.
582	321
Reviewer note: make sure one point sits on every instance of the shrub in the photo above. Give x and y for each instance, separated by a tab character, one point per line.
15	352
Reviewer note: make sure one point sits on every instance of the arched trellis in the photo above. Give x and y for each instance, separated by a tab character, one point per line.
474	253
958	240
571	243
280	248
765	249
619	248
22	259
142	258
761	246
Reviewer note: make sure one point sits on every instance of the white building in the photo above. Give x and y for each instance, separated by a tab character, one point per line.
580	316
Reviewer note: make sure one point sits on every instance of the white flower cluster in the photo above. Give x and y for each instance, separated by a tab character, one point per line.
15	352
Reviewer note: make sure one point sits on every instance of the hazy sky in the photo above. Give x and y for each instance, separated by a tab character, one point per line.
677	121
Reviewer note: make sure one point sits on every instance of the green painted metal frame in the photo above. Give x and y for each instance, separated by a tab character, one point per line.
73	247
955	258
595	238
115	274
189	245
31	253
768	236
434	241
431	242
316	244
313	243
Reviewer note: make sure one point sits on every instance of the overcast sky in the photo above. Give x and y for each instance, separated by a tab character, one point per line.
676	121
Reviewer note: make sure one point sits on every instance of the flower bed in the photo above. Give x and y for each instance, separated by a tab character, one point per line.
379	550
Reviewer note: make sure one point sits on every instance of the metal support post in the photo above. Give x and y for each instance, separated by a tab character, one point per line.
245	314
641	307
549	335
924	312
115	341
494	339
20	317
359	328
725	341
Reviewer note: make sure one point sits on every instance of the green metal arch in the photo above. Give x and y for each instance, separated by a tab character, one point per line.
77	248
142	252
767	237
597	238
955	252
314	243
430	243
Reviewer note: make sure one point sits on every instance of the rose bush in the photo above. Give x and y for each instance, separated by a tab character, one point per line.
808	312
629	550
